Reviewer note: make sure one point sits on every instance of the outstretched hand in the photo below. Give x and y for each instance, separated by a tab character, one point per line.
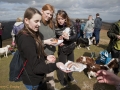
51	58
107	77
60	64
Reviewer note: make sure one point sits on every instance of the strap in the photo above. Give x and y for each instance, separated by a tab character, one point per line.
22	69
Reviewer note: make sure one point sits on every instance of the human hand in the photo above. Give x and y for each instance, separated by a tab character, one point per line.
107	77
48	41
60	64
65	35
61	44
118	36
61	38
51	58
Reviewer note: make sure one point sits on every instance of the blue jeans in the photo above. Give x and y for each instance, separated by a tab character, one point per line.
97	35
88	35
30	87
42	86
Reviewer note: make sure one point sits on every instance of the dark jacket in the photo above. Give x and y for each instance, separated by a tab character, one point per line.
36	68
98	23
112	34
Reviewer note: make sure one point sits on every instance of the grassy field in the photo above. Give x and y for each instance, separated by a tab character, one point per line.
83	82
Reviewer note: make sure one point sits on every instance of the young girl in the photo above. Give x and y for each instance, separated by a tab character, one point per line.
89	27
31	49
47	33
66	49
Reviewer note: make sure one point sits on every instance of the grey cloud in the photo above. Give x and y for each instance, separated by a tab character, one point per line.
75	8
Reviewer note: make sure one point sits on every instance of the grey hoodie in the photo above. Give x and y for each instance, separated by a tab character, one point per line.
46	33
89	26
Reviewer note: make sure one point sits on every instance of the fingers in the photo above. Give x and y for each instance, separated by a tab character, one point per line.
101	81
101	72
99	78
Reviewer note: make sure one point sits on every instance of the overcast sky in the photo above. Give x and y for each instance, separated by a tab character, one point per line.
109	10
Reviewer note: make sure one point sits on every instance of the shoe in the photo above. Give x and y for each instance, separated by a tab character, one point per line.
94	42
97	45
74	81
66	86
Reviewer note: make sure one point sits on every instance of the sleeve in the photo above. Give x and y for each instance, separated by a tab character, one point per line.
111	33
14	29
73	35
29	51
85	28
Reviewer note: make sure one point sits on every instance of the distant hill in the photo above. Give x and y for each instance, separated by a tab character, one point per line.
8	25
106	25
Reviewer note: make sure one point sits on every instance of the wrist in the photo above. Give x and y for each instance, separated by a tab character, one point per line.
44	41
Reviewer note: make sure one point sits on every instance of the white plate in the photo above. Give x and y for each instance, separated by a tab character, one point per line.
59	42
74	68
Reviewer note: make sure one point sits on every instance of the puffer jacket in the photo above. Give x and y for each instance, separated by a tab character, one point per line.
72	37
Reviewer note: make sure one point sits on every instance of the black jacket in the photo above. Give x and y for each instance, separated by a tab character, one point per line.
36	68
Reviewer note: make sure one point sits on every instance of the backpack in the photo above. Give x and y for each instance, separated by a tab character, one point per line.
16	67
105	57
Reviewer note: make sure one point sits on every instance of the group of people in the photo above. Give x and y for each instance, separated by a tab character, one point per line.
34	42
90	28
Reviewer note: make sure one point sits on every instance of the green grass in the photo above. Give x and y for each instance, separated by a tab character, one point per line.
83	82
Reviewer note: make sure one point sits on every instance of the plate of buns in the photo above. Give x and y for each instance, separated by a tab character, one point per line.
73	66
56	42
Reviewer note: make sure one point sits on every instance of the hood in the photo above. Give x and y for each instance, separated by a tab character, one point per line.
99	18
18	23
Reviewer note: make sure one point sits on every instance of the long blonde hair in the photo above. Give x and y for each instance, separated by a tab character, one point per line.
50	22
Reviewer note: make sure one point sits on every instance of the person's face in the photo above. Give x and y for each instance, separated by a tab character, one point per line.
60	20
34	22
47	15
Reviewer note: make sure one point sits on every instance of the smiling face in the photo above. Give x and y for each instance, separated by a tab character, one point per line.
60	20
34	22
47	14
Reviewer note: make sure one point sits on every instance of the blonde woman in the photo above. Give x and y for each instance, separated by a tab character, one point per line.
89	27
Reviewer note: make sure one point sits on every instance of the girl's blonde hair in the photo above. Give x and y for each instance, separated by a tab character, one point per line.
19	19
